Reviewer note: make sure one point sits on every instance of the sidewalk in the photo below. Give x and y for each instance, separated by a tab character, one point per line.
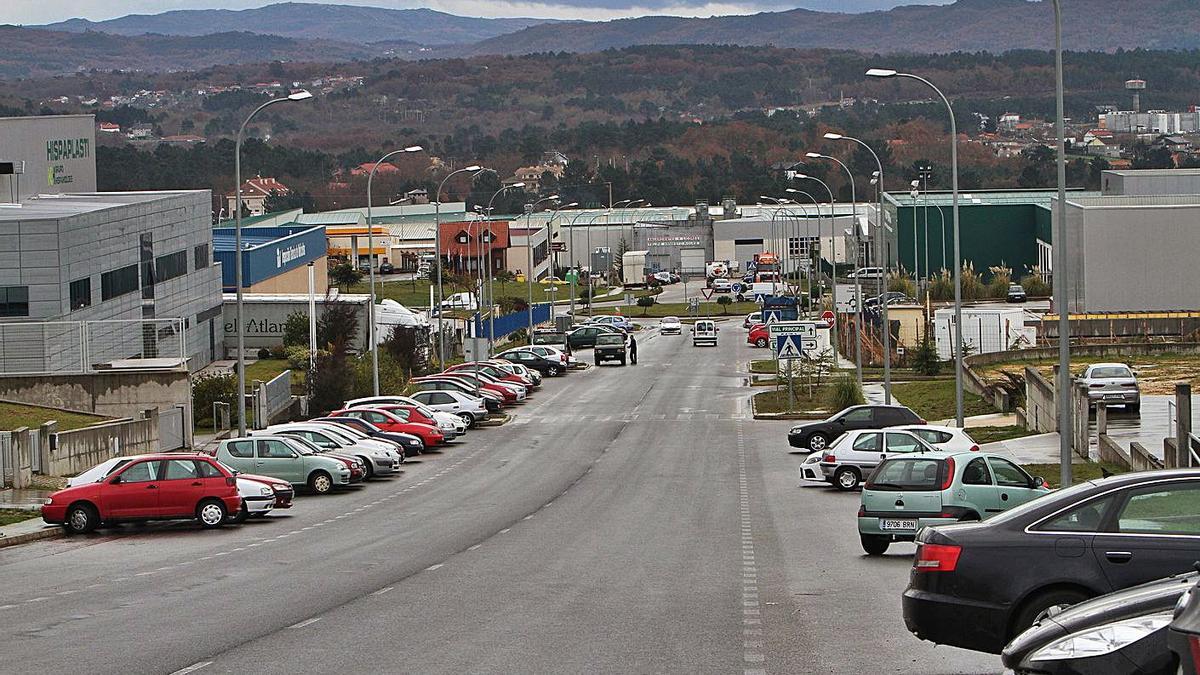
26	530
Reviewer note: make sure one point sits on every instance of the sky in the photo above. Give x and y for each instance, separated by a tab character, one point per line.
49	11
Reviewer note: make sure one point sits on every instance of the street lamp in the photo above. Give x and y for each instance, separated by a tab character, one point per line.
491	295
437	248
529	250
958	336
372	338
812	262
858	301
1060	271
832	256
300	95
881	240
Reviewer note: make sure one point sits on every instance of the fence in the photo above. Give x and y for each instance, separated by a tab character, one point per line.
511	323
172	429
272	398
45	450
65	347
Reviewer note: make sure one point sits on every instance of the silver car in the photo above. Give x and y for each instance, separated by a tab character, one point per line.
378	458
1113	383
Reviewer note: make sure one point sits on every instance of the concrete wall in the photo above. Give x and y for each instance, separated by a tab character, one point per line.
113	394
74	451
1040	409
1151	182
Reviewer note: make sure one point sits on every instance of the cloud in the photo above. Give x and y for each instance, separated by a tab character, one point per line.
41	11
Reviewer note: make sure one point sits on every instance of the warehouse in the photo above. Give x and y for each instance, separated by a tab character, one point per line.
275	259
51	154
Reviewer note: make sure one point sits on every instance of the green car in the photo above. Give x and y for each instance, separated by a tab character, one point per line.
905	494
286	459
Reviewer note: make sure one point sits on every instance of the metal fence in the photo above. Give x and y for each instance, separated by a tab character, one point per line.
511	323
41	347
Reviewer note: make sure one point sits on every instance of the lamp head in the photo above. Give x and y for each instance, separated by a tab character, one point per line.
517	185
814	155
299	95
473	167
881	72
571	205
830	136
413	148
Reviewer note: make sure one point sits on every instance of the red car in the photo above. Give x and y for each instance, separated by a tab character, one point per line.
408	413
758	335
152	487
390	421
469	381
492	371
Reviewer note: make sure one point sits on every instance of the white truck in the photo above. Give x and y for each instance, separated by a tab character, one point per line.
716	269
633	269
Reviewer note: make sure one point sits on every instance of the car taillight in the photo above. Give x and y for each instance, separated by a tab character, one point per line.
1194	646
974	448
948	477
230	481
862	511
829	458
937	558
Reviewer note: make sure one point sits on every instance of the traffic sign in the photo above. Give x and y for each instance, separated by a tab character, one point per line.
707	292
789	347
827	317
771	316
805	329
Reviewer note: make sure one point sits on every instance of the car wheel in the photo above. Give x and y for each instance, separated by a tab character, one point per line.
817	442
622	360
846	478
1035	606
320	482
760	342
874	544
81	519
368	468
552	371
469	419
211	513
242	514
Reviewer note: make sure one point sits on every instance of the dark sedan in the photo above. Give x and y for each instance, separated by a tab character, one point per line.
585	336
978	585
1184	633
816	436
535	362
1122	632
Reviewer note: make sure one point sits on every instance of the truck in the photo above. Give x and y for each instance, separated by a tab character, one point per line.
716	269
766	267
633	269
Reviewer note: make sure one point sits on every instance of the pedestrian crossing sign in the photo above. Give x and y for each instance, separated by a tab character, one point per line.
789	347
772	315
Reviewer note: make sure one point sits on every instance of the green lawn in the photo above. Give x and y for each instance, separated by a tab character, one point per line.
1079	472
14	416
764	367
934	399
992	434
10	516
776	401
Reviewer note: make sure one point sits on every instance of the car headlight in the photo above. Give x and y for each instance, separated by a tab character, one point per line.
48	501
795	430
1102	640
266	491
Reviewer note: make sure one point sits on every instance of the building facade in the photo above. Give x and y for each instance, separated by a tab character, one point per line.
274	259
55	154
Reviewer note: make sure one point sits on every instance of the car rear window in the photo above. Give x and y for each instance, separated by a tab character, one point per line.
917	473
1111	371
610	340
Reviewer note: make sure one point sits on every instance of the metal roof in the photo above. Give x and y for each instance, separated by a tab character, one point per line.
332	218
993	198
54	207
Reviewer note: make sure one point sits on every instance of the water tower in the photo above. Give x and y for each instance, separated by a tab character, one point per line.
1136	86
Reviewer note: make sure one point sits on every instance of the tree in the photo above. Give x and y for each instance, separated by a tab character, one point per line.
724	301
344	275
295	330
645	302
337	326
925	358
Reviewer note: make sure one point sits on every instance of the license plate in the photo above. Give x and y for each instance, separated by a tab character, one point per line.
897	524
1114	397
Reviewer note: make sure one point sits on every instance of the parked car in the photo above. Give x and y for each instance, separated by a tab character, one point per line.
946	439
470	409
854	455
530	374
419	414
891	297
284	458
101	470
752	319
395	421
411	444
468	384
1016	293
585	336
905	494
546	351
552	367
816	436
556	281
503	385
610	348
704	332
257	499
1112	383
150	487
1184	632
759	336
1122	632
374	457
665	278
722	285
866	273
670	325
614	320
494	402
978	585
386	268
555	338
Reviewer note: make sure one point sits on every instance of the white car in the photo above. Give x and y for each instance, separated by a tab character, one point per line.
258	498
947	439
855	454
752	319
447	421
544	351
468	408
379	458
810	468
722	286
670	326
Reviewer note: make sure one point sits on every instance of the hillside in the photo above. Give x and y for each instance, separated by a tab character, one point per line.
966	25
343	23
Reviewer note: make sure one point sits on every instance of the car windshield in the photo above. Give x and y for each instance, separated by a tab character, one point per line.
1016	287
1111	371
917	473
608	339
671	319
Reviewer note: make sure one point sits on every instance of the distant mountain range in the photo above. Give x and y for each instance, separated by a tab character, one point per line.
304	31
342	23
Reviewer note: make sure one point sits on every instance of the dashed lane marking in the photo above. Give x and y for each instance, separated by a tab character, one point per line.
432	568
383	590
306	622
192	668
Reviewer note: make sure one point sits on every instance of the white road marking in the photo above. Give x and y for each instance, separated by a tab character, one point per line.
192	668
476	547
306	622
505	530
383	590
431	568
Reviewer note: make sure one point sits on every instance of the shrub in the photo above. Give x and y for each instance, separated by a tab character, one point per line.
724	301
344	274
925	359
997	288
278	352
901	282
297	358
645	302
843	393
213	388
264	353
941	287
1035	287
295	330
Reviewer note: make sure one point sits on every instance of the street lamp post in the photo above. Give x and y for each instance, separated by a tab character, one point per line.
858	301
529	250
437	248
300	95
1060	268
958	337
832	258
372	338
882	243
812	262
491	295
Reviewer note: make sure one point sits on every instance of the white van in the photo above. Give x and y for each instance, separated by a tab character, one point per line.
704	333
460	301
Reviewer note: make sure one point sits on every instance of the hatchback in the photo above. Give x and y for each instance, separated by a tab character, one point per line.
1016	293
670	325
977	585
150	487
759	336
906	494
856	454
816	435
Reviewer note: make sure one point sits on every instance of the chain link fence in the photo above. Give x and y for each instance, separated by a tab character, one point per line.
66	347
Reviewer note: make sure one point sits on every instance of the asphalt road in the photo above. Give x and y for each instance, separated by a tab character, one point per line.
627	520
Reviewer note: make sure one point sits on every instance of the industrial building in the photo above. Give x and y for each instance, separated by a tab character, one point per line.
275	259
51	154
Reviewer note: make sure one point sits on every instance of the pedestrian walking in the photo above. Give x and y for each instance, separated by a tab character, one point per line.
632	350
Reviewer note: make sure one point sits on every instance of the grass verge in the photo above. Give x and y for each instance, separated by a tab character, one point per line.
992	434
934	399
1079	472
776	401
15	416
764	366
10	516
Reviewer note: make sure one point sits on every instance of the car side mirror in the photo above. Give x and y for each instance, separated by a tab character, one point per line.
115	480
1038	482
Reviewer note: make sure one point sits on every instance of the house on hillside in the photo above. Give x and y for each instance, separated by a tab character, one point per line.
254	194
110	128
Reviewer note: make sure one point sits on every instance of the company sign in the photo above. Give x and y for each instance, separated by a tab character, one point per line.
284	256
62	150
674	240
58	152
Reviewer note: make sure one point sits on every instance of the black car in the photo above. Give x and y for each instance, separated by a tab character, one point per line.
978	585
610	348
1122	632
536	362
412	444
1184	633
386	268
1016	293
816	436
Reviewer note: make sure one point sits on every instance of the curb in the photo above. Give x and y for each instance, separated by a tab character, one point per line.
496	423
48	533
782	416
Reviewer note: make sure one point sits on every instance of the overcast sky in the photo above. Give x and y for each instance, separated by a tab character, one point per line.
48	11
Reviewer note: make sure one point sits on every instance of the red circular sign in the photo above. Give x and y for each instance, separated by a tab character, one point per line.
827	316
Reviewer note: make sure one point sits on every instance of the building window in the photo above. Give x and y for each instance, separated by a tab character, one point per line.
118	282
81	293
14	301
169	266
202	257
